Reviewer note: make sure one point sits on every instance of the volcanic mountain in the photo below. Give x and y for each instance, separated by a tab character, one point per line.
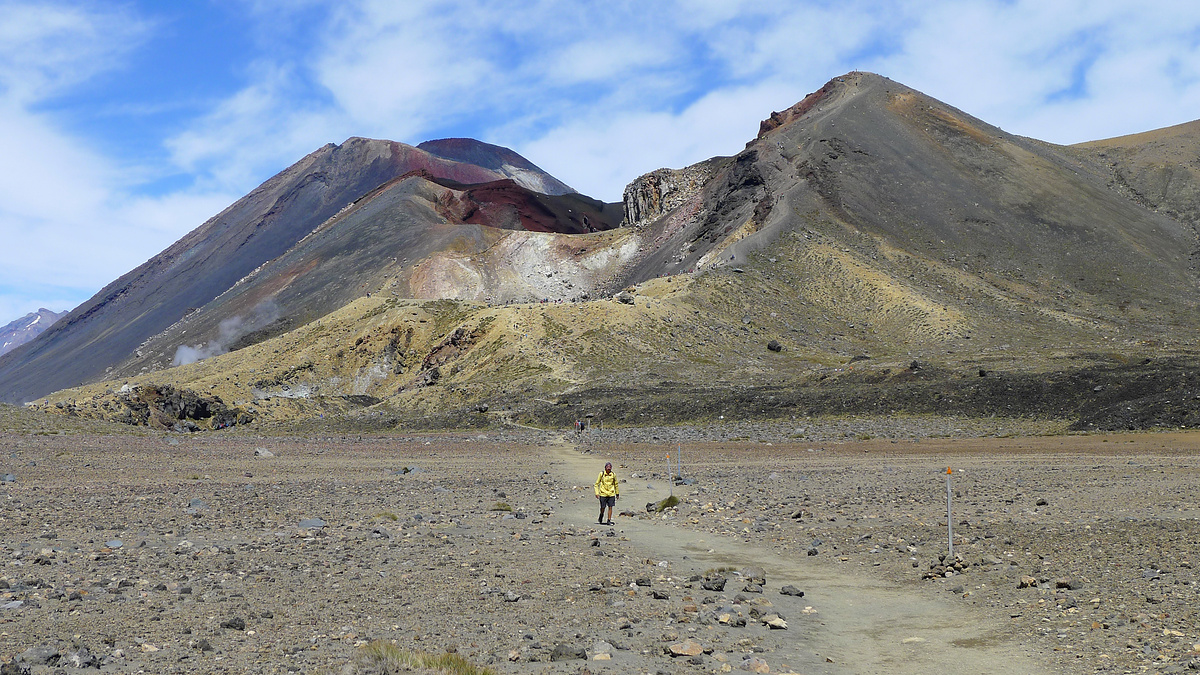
334	225
26	328
872	250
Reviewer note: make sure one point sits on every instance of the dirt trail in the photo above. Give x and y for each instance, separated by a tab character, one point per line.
855	623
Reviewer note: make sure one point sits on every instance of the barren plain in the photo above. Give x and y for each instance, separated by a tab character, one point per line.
224	553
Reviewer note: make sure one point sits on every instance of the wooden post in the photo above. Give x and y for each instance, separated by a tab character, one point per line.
670	481
949	517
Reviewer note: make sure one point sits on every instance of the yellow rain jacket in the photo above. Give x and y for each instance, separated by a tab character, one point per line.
606	485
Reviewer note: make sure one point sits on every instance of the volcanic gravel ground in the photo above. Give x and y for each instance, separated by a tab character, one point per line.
192	554
1084	545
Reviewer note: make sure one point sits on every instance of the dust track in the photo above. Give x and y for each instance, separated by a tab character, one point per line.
857	623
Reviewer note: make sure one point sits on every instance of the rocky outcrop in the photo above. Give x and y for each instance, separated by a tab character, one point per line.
162	407
781	118
655	193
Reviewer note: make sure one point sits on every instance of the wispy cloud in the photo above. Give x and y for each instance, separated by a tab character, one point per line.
70	216
45	48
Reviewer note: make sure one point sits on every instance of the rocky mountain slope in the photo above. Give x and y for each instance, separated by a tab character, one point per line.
873	250
1158	169
26	328
314	209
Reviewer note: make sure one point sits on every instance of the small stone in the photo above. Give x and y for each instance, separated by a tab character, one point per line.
263	452
36	656
755	664
774	622
1027	582
235	623
792	591
688	647
312	524
80	658
565	652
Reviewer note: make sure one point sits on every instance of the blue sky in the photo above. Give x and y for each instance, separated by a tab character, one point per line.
124	125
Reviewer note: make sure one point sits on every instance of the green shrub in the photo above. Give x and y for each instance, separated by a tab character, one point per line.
385	658
666	504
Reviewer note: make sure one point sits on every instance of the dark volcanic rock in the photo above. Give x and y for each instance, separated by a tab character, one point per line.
566	652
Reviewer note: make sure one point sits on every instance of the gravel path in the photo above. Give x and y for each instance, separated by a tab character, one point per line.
203	554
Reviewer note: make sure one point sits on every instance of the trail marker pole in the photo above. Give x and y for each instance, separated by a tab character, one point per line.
679	460
670	481
949	516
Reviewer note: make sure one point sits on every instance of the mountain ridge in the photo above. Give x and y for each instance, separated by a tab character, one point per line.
869	239
112	326
24	329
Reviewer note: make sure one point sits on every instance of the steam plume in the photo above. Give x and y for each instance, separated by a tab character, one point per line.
228	331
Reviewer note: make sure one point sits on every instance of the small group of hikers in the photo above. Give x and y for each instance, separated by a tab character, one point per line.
608	491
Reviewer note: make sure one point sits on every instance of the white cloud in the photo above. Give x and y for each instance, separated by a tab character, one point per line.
65	216
253	134
602	60
47	47
605	152
570	84
1017	65
70	218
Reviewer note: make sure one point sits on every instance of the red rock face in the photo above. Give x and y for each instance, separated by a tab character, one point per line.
408	159
506	205
778	119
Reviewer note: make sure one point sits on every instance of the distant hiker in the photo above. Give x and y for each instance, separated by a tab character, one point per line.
608	492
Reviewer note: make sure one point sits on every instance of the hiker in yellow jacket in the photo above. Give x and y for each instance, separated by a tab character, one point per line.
608	492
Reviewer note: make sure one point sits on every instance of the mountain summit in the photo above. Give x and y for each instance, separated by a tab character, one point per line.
26	328
872	250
